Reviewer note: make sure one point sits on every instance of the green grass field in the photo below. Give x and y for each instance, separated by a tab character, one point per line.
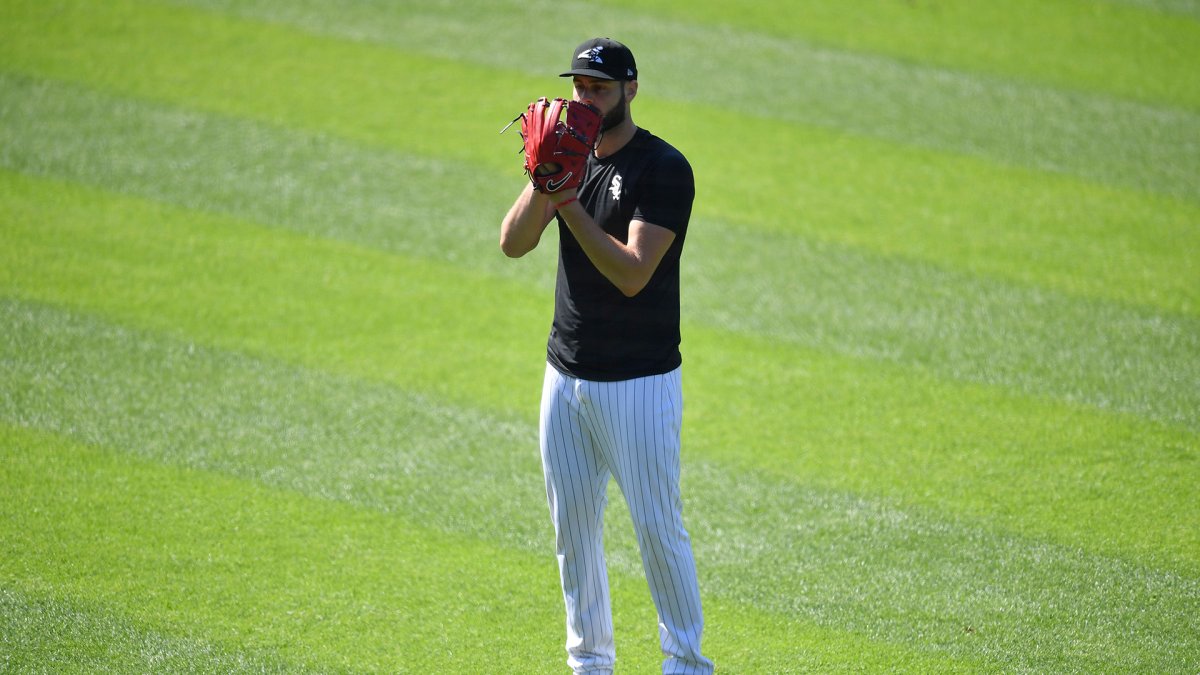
268	388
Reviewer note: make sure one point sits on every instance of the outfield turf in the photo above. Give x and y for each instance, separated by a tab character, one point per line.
268	387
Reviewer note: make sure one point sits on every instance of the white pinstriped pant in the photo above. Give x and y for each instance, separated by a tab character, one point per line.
629	430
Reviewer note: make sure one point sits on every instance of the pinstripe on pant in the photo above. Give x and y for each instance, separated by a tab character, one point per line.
631	431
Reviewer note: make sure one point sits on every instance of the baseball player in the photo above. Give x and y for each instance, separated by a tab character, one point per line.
612	400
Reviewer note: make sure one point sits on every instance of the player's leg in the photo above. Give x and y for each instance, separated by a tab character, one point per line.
576	483
645	416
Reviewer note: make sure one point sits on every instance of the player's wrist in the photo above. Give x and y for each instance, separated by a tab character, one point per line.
563	198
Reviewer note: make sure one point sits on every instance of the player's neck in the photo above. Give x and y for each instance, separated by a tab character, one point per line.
614	139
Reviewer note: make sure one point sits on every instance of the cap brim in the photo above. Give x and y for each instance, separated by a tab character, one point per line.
588	72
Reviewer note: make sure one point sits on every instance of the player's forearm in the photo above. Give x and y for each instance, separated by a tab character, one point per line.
522	227
619	263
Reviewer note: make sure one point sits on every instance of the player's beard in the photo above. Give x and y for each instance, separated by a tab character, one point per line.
613	118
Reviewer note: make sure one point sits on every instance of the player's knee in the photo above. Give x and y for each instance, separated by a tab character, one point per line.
658	532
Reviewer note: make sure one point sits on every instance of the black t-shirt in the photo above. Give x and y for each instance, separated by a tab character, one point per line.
598	333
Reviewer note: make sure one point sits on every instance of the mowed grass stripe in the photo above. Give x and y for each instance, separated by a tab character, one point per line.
1179	8
1058	233
198	562
43	634
273	72
794	554
364	314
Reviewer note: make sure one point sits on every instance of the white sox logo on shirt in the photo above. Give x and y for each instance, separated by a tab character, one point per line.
615	187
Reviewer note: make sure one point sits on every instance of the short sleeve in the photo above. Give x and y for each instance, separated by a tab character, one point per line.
667	191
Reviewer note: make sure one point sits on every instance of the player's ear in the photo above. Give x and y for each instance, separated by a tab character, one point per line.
630	89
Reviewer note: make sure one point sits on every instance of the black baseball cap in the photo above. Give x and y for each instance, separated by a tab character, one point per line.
604	58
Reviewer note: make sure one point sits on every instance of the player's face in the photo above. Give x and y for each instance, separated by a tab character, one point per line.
608	96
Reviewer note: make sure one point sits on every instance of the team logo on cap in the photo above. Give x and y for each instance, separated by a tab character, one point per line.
592	54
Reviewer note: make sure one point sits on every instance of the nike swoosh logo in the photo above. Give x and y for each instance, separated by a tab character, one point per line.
553	186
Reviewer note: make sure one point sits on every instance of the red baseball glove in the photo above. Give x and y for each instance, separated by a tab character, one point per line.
556	153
